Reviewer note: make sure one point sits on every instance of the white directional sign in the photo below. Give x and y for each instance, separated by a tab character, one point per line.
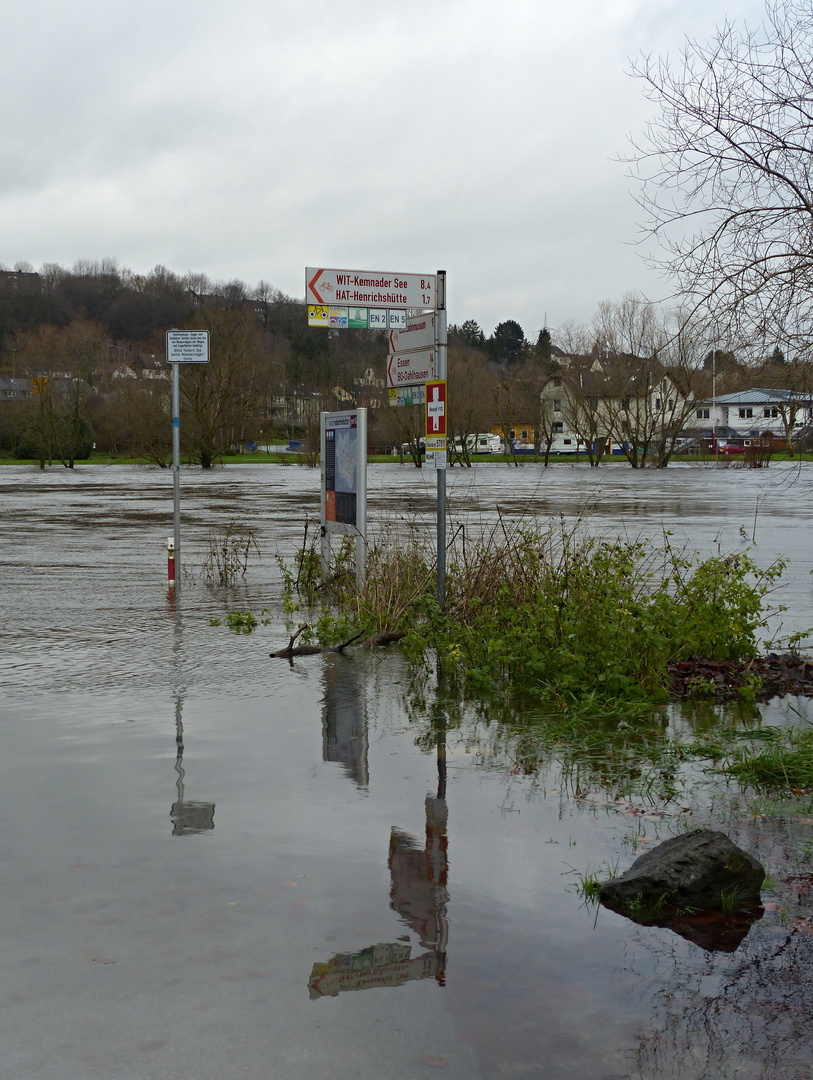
410	368
418	333
188	346
369	288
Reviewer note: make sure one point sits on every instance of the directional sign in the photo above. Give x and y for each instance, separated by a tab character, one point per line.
369	288
419	333
188	346
436	408
410	368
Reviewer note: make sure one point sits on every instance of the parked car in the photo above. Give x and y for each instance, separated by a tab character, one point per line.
406	448
730	448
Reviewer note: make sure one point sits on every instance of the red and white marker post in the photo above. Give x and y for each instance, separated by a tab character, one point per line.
171	562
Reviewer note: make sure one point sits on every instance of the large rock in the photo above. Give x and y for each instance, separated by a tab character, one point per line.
699	871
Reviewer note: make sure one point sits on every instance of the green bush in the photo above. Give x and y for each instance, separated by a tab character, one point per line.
556	613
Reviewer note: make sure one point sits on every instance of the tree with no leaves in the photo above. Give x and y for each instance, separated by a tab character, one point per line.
727	174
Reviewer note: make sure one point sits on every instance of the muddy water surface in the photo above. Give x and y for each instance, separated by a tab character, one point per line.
216	865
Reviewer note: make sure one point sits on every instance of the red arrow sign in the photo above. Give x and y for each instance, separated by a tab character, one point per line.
312	287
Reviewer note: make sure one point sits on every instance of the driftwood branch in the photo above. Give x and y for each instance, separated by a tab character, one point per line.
377	640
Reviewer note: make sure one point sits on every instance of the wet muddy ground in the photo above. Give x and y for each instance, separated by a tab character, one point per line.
217	865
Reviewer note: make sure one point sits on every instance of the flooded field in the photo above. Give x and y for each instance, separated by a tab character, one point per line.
219	865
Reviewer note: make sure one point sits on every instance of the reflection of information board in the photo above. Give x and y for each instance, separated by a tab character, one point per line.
344	483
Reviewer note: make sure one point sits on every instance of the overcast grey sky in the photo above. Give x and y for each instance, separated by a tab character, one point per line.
252	139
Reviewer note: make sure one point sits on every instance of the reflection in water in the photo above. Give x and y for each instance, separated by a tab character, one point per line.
385	964
187	817
418	893
723	1016
344	719
418	875
714	931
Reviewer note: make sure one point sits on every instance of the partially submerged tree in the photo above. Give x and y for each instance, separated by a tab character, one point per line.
727	171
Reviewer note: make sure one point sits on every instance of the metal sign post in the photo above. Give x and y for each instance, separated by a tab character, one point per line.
183	347
440	461
372	299
176	472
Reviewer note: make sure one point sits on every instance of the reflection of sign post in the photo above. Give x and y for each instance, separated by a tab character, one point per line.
183	347
344	484
187	817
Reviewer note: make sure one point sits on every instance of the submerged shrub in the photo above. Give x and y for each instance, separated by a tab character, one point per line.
558	613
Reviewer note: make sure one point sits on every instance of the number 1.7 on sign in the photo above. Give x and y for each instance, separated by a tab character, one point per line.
369	288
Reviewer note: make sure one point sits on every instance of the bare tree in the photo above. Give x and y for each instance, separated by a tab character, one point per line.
220	398
727	174
514	403
793	387
469	411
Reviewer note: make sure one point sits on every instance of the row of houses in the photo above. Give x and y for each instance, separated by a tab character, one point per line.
637	408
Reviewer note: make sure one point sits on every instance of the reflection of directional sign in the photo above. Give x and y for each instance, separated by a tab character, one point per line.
188	346
410	368
369	288
385	964
436	407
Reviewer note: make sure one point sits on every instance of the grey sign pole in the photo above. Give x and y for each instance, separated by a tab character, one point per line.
440	345
183	347
176	469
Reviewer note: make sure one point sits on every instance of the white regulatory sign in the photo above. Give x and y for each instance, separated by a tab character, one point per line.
369	288
188	346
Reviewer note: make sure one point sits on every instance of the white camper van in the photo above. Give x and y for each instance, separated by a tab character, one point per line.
566	444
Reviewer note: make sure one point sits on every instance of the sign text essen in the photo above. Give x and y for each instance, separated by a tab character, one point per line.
410	368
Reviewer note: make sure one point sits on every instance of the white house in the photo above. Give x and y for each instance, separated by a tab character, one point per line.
752	412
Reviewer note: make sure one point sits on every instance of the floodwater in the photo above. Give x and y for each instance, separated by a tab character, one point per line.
217	865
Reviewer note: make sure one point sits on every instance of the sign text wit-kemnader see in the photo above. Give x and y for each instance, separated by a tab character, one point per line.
369	288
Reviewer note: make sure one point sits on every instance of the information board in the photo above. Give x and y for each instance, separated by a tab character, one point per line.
344	483
188	346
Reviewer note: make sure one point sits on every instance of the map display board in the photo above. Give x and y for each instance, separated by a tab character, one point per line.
344	481
341	460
